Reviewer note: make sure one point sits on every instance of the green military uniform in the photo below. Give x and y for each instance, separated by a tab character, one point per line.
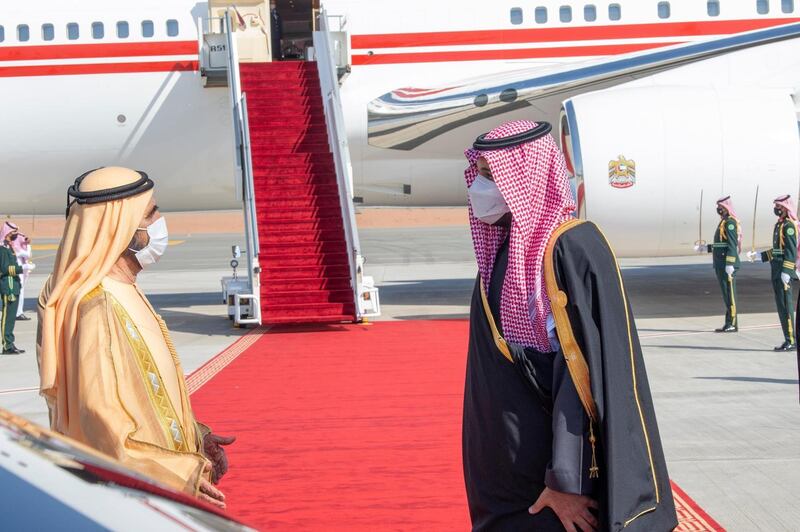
782	259
10	285
725	251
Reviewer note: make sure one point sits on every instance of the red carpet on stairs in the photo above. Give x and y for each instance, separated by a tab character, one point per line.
349	427
304	258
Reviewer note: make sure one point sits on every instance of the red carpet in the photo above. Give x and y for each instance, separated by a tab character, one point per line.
349	428
305	276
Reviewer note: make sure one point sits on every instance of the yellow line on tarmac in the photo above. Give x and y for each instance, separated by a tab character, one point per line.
53	247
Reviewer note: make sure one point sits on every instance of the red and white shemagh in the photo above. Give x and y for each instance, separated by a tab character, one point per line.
532	178
728	205
787	203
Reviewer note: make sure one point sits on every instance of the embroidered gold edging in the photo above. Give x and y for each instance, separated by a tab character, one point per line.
633	376
576	363
155	390
637	516
499	341
97	291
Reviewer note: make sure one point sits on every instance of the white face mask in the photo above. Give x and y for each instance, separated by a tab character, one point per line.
487	202
159	238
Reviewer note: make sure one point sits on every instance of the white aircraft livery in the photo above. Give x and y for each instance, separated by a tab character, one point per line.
654	102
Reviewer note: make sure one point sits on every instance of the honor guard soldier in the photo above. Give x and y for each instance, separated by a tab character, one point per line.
725	250
782	258
10	284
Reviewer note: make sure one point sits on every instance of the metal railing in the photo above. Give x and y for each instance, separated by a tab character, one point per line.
244	165
337	137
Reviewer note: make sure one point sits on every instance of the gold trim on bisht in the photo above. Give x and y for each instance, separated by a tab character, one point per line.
153	382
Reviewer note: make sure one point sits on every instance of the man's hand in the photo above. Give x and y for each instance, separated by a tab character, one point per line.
785	278
572	510
212	448
729	270
751	255
208	493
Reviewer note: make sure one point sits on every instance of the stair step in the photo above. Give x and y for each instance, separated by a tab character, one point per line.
310	309
265	145
289	149
335	258
265	99
301	202
310	283
303	248
276	320
298	191
327	210
275	297
263	127
302	236
289	167
282	87
279	74
299	158
300	180
278	66
279	175
303	272
276	116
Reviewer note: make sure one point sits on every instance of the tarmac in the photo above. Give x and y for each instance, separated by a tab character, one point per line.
727	404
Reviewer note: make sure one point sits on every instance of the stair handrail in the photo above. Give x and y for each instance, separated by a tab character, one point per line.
337	138
245	164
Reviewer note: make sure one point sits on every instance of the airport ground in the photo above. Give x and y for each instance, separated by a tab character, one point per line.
727	405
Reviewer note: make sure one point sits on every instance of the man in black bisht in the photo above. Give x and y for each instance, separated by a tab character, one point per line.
559	430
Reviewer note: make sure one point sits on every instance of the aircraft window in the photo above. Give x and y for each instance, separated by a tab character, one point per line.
787	6
2	34
614	12
540	14
589	13
762	6
713	8
73	32
98	32
516	15
663	10
123	30
23	33
565	14
48	32
172	28
147	28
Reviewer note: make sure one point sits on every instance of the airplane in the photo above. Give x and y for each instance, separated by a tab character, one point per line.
656	104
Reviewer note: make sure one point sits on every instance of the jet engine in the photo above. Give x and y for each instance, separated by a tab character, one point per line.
642	158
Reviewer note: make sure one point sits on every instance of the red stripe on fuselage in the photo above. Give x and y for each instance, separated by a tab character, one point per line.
573	33
86	51
97	68
521	53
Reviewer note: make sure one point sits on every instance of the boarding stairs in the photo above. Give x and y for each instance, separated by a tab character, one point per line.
305	273
304	261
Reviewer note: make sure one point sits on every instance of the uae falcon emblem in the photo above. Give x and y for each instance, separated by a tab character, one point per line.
622	172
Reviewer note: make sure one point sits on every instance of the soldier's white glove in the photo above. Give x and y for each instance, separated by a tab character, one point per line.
785	278
729	270
700	248
28	266
751	255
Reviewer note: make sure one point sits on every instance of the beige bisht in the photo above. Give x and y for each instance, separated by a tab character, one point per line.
101	382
